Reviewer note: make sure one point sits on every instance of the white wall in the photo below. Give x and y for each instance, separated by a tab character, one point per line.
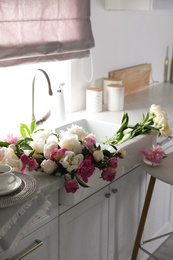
124	39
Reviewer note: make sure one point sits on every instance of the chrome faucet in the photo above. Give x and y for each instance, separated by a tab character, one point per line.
47	115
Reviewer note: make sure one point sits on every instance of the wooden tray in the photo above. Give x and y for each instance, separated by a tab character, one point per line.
134	79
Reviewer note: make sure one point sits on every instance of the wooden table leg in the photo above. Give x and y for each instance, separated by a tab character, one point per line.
143	217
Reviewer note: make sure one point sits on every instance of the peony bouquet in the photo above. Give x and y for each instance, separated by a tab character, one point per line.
156	120
72	154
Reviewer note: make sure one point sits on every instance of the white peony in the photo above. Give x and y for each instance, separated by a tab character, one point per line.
165	131
71	161
2	155
161	119
38	146
41	135
12	146
52	138
48	148
71	143
48	166
77	130
155	109
8	156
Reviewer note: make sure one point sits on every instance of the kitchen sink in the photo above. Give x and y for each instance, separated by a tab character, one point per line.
99	128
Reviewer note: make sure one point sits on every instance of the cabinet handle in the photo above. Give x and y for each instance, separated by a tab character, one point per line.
114	191
38	244
165	141
107	195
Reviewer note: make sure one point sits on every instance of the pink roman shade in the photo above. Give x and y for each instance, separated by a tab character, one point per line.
44	30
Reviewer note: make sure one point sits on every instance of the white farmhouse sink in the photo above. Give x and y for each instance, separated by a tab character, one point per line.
99	128
133	157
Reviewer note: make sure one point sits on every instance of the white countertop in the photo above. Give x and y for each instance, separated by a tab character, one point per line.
135	105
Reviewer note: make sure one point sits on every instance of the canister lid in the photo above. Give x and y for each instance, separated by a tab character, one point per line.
115	86
95	89
112	79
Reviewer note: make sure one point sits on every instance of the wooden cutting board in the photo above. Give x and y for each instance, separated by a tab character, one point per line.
134	79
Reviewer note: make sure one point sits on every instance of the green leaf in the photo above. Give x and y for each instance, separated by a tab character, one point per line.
22	131
38	130
26	127
26	146
20	141
5	144
106	153
83	184
114	147
31	154
32	126
124	123
28	139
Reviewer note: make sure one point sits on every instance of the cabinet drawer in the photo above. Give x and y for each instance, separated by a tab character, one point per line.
41	244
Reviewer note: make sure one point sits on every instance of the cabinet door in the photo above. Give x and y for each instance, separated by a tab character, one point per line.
84	229
47	240
124	213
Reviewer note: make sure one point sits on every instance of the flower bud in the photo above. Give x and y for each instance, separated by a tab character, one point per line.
121	153
98	155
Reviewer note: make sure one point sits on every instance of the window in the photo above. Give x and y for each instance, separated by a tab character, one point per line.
16	92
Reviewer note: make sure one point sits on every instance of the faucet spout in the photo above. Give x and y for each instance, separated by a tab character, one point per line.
47	115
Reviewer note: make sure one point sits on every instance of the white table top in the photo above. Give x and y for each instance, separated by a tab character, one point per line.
164	171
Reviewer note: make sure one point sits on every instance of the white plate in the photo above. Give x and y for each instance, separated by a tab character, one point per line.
12	187
150	163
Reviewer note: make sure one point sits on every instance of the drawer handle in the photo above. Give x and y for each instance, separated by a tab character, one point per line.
38	244
165	141
107	195
114	191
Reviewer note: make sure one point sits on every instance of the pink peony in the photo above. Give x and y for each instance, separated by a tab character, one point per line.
12	139
86	169
71	186
90	142
108	174
32	163
155	154
113	163
58	154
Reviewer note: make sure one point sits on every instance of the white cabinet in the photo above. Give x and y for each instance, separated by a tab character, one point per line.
124	212
103	227
46	238
84	229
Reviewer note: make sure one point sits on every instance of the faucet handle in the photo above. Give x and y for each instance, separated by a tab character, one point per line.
44	118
